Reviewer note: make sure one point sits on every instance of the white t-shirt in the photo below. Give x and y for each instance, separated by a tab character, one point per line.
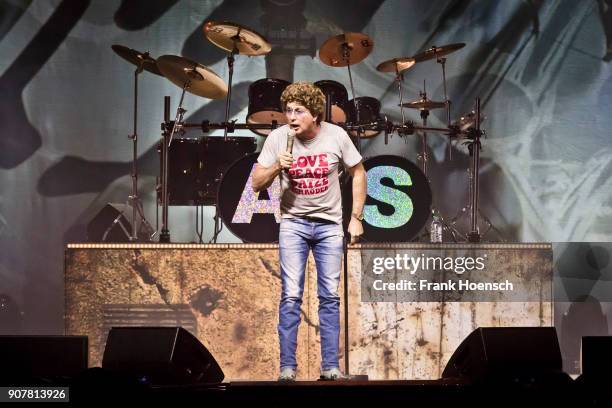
311	187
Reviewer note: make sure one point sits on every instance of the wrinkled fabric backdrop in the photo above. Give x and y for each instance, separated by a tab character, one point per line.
540	68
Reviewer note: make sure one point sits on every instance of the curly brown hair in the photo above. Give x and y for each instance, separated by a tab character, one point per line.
306	94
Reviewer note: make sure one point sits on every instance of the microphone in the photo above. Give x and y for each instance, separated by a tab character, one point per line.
290	139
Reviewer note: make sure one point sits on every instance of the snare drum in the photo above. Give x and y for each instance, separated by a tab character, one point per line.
253	217
196	167
369	111
264	103
398	202
336	96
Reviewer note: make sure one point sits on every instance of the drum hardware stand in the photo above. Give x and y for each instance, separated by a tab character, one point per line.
166	126
167	137
138	217
346	54
230	66
206	126
157	191
474	147
387	126
405	129
424	156
399	78
199	218
218	226
442	61
474	234
328	107
337	51
222	35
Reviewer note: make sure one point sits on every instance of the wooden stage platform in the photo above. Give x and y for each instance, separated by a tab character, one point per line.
227	296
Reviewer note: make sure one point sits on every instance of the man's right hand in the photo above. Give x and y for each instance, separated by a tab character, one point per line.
285	159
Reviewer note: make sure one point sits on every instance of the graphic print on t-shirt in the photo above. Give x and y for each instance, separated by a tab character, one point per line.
309	174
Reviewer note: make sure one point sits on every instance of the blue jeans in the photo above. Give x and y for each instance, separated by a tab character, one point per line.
297	236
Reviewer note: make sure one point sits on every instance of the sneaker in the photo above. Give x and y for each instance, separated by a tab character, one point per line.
287	374
332	374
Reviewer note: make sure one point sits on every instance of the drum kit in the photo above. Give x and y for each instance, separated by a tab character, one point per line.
216	171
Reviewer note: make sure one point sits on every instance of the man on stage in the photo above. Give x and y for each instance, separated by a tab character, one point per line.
311	208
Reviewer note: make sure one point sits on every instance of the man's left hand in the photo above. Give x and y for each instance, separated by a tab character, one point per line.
355	230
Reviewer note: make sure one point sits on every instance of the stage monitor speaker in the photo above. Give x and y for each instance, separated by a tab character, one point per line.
42	357
502	353
160	356
596	356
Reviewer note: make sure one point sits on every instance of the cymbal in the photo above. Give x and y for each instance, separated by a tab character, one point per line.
423	104
201	80
435	52
396	64
356	45
137	58
226	35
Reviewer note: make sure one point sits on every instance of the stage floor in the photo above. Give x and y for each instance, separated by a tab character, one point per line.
558	391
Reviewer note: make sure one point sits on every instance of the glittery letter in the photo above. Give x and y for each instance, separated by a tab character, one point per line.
400	201
250	203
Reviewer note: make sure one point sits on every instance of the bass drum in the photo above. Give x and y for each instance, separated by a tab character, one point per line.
186	178
398	202
336	96
369	111
196	167
252	217
264	103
